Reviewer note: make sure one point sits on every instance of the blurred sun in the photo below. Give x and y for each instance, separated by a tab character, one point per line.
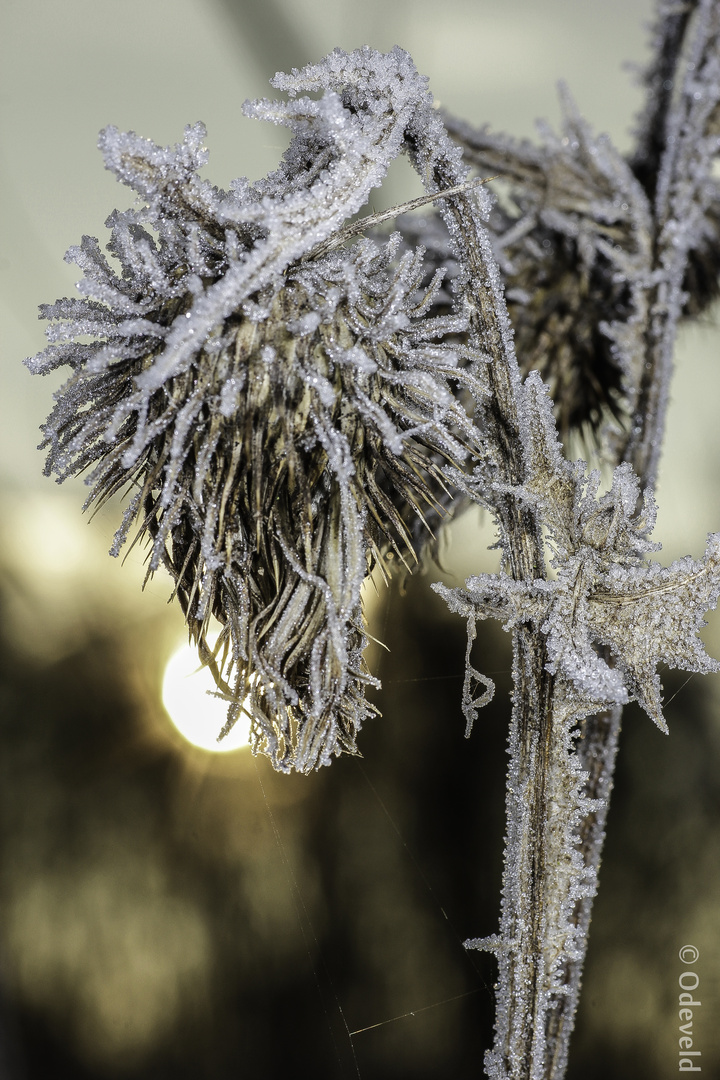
187	694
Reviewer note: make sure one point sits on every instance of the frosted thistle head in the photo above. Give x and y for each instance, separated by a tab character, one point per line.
572	237
273	401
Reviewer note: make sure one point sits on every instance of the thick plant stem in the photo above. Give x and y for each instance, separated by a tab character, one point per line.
597	751
597	747
519	946
537	1004
556	811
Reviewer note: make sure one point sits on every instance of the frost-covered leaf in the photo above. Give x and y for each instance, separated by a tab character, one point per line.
604	599
616	525
651	615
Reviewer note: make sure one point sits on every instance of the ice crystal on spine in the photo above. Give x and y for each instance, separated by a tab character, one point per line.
276	412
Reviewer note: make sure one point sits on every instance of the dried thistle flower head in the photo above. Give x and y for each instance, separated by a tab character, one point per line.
276	404
573	243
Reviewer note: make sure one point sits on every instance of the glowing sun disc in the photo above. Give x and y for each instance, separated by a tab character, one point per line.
196	714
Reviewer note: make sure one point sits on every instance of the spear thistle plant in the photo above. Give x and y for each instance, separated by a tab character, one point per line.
286	403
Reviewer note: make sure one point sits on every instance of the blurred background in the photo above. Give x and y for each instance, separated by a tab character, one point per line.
168	911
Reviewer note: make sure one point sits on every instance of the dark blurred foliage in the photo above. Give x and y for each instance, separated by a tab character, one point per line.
169	914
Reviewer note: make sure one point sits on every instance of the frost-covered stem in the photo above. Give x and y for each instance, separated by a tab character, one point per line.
555	829
655	156
680	178
667	168
504	421
533	1023
660	81
532	1028
530	884
561	757
596	752
523	924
